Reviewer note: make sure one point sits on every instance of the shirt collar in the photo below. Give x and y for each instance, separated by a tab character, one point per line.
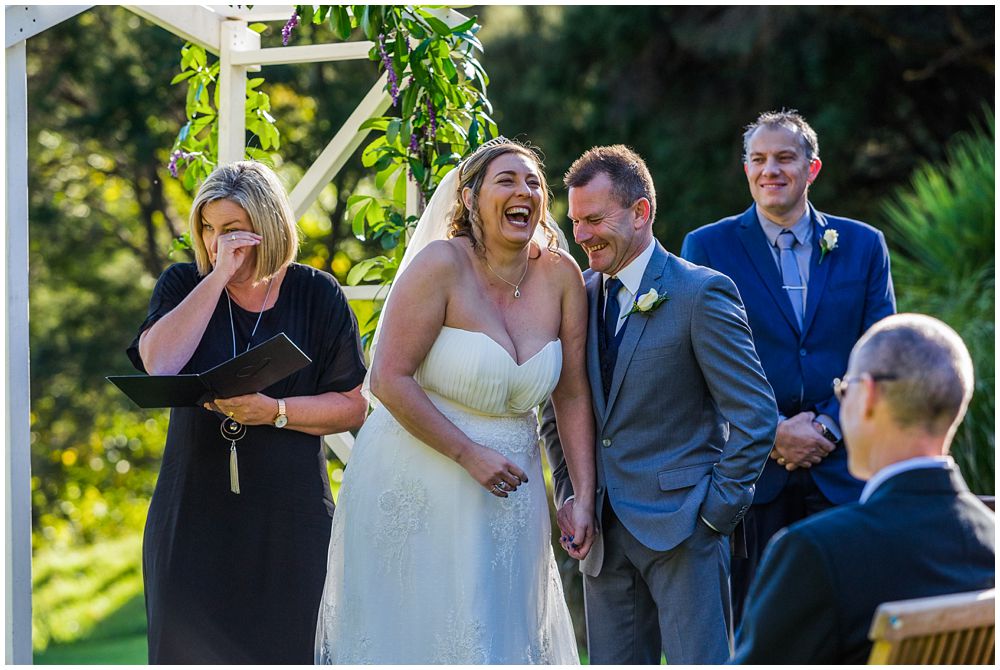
631	274
802	230
899	467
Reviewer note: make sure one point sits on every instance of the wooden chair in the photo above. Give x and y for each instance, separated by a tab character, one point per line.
950	629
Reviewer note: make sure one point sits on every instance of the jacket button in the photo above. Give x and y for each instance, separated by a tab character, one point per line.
802	352
606	442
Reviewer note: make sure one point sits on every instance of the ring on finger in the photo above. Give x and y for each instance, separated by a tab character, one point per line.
781	461
496	489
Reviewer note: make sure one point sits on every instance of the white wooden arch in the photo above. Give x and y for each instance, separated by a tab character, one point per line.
221	30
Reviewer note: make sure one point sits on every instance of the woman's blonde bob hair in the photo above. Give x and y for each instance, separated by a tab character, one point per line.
257	189
465	221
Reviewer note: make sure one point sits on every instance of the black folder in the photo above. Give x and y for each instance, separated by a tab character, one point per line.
249	372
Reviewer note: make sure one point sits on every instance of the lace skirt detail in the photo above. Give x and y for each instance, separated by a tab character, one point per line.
425	566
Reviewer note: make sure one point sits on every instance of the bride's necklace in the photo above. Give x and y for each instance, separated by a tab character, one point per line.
517	286
231	429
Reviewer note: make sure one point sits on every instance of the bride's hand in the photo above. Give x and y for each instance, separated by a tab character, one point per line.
494	473
584	531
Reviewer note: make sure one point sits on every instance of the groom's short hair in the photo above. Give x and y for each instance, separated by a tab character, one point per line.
630	178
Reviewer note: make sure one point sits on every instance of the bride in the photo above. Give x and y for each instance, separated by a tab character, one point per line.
440	550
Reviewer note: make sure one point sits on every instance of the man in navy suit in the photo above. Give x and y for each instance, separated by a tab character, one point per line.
812	283
917	531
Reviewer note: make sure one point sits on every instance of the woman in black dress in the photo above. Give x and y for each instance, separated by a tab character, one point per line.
237	578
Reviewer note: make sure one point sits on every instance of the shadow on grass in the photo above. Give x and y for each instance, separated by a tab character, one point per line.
119	639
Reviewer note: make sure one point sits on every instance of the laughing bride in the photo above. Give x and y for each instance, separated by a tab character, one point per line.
440	549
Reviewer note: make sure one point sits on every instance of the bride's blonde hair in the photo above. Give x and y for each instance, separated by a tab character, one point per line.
465	221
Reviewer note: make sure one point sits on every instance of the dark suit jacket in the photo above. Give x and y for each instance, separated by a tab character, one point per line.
848	292
920	534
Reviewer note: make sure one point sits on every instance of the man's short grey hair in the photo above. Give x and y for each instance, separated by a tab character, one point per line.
931	366
790	120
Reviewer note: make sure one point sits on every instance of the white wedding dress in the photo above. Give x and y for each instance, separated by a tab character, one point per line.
425	565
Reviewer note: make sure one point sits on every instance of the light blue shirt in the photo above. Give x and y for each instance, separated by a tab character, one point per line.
802	230
894	469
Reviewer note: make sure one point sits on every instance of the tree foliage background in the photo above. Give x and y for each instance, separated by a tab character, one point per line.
887	89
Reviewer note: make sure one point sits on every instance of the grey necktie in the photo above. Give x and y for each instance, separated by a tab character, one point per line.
790	278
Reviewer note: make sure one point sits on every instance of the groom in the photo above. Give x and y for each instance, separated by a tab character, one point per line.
685	420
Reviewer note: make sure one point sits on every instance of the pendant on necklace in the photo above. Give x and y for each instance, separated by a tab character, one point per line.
517	291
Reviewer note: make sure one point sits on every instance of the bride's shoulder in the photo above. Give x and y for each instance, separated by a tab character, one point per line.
443	253
561	266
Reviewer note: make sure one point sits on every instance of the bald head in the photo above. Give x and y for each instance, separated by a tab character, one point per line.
929	367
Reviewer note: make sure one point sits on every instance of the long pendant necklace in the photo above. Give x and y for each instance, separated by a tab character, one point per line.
517	286
232	429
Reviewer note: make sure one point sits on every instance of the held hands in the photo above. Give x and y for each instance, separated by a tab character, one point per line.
254	409
494	473
799	443
232	249
578	527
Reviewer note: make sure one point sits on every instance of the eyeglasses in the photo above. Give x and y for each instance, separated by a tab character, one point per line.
840	385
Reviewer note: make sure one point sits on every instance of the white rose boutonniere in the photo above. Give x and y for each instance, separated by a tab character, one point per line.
827	243
647	302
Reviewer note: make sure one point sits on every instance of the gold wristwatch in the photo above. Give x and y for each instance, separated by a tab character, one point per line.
282	419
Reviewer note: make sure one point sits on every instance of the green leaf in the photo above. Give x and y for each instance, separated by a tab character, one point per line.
343	22
439	26
419	171
377	123
399	189
254	83
409	100
358	272
355	199
358	223
384	174
367	25
474	134
462	27
182	76
258	28
392	132
198	56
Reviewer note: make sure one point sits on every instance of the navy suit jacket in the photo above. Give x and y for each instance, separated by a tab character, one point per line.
920	534
848	291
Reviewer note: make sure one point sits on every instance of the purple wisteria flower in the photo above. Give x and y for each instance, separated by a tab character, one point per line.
414	141
432	113
176	156
387	62
286	31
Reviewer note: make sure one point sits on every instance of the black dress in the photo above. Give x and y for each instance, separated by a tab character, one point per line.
238	578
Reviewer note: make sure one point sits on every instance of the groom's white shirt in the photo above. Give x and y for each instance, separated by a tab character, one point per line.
631	277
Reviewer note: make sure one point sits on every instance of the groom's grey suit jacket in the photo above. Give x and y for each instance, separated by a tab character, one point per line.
690	418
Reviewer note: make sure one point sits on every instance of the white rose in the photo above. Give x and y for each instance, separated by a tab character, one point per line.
646	301
830	237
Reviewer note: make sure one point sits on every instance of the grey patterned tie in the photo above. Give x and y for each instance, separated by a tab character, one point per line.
790	278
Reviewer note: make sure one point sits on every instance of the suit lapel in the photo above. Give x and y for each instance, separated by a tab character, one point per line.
818	272
593	355
637	322
758	249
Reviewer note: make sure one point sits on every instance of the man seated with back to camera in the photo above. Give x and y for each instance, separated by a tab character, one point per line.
916	532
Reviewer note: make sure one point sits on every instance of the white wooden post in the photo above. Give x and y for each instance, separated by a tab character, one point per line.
17	426
234	37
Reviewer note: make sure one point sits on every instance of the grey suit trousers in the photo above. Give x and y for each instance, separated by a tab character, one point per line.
657	597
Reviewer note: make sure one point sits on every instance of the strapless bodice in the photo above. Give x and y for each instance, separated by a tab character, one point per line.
470	368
